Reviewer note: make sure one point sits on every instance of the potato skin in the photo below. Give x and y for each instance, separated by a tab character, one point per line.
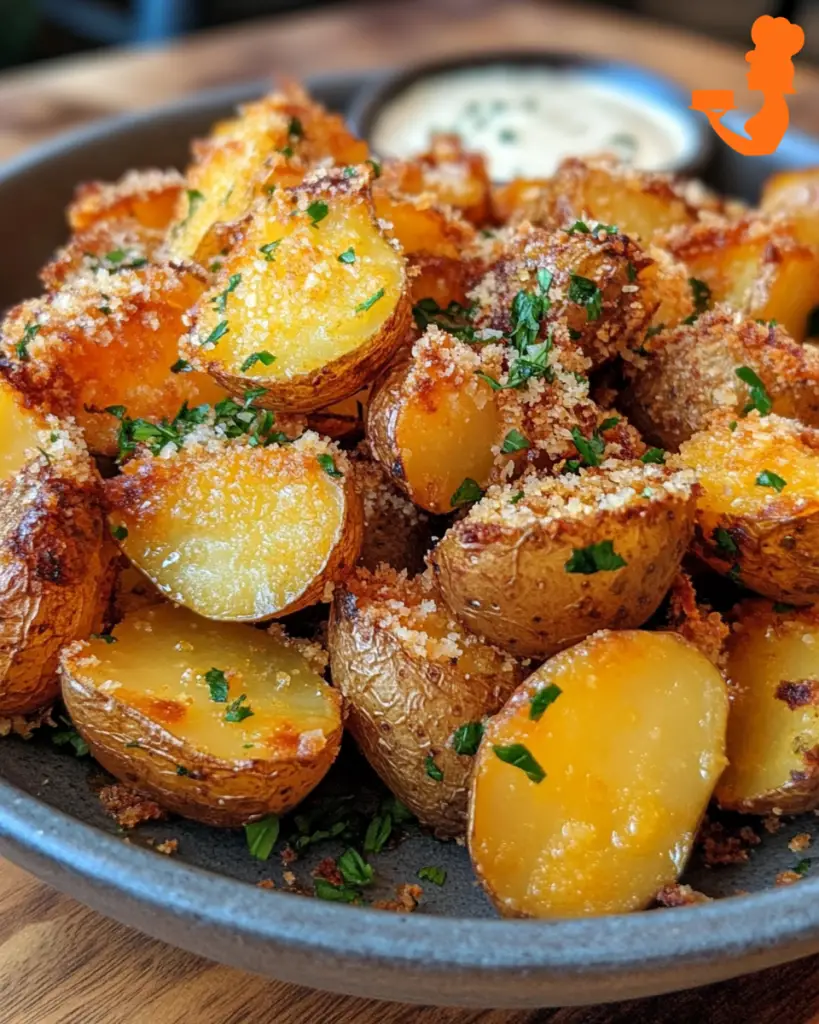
54	569
140	752
509	583
401	707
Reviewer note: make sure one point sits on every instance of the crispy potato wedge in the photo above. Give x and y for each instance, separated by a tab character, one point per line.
412	678
54	562
108	340
754	264
593	282
573	813
600	191
217	722
537	565
237	532
795	196
758	503
310	305
147	197
688	372
773	725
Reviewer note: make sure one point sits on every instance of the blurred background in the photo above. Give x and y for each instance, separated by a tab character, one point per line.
35	30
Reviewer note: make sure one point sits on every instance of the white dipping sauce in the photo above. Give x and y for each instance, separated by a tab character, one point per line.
525	119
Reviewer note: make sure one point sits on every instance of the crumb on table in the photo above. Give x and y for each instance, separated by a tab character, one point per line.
406	900
128	807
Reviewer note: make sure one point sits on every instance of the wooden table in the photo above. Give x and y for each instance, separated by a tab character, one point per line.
60	962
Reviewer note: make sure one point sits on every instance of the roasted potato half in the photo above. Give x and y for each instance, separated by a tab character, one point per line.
754	264
539	564
417	688
148	197
312	302
54	561
217	722
773	725
108	340
684	374
235	531
758	503
590	784
795	196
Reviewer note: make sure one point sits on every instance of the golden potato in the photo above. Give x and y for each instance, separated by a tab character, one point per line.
238	531
684	374
758	503
107	340
755	265
217	722
54	562
539	564
417	688
147	197
109	246
795	196
590	784
310	305
773	725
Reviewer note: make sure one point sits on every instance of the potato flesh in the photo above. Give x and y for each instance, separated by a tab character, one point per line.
19	434
632	749
768	737
158	667
237	536
795	193
305	306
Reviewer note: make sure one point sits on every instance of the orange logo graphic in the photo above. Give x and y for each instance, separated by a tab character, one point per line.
776	40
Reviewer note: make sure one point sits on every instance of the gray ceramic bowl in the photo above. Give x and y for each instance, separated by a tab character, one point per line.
453	950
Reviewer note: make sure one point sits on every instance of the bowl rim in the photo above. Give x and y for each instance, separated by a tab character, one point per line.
660	92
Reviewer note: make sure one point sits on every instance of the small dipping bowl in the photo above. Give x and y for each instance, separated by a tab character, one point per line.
527	111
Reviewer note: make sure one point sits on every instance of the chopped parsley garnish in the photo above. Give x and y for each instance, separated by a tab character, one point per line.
295	129
348	256
767	478
265	358
105	637
760	399
466	738
653	455
470	490
732	426
631	272
514	442
354	869
269	250
701	294
30	331
519	756
251	395
585	292
118	258
432	769
69	736
236	711
362	307
455	319
217	684
181	366
724	541
195	199
433	874
348	172
516	498
378	832
545	696
119	532
376	166
535	363
803	866
600	557
327	463
219	331
261	836
579	227
220	301
591	449
286	151
182	770
338	893
317	211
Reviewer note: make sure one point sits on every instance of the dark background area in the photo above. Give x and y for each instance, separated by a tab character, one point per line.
40	29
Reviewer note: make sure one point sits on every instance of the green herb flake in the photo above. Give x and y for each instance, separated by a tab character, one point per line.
700	293
378	832
327	463
119	532
219	331
760	399
732	426
69	736
295	129
195	200
600	557
105	637
585	292
348	256
433	874
579	227
269	250
217	684
514	442
261	836
432	769
518	755
220	301
181	366
354	869
631	272
591	449
30	331
767	478
516	498
376	166
803	866
653	455
724	541
236	711
265	358
317	211
545	696
362	307
337	893
182	770
468	491
466	738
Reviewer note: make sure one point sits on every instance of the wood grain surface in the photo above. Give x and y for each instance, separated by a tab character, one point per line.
61	963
